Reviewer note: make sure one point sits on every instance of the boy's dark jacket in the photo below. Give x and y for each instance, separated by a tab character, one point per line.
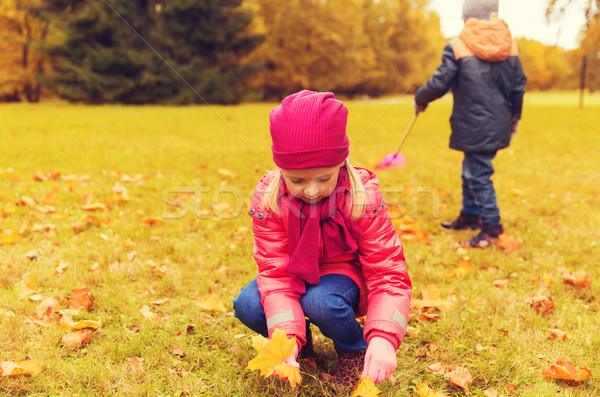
483	69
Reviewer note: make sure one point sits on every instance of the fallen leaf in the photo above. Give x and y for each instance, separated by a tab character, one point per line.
27	367
272	354
558	334
366	388
94	206
460	377
178	351
158	270
542	304
29	290
80	299
583	281
159	302
424	390
491	393
145	310
76	339
226	173
464	267
134	362
11	238
501	283
151	221
32	255
565	370
440	368
60	266
46	312
507	242
212	302
83	324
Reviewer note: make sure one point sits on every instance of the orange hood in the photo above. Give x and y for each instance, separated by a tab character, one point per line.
489	41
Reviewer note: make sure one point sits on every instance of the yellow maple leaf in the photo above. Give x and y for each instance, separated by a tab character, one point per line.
213	303
424	390
366	388
81	325
289	373
272	354
27	367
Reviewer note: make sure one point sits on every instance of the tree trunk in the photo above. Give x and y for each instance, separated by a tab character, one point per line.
582	80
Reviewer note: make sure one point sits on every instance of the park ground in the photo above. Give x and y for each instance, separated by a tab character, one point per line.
145	207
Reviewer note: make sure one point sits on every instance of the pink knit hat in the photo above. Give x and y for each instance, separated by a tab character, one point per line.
308	130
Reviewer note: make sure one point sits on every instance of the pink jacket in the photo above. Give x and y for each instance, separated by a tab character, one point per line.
378	269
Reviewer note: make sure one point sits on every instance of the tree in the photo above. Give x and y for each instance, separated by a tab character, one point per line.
347	46
590	43
310	44
545	66
148	51
20	62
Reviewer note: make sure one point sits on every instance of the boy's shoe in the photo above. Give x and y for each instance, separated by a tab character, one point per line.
350	366
464	221
486	237
307	350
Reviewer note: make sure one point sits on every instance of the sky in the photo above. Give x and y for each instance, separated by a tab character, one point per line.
525	18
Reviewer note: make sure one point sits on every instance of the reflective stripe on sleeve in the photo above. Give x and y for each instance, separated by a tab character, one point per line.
280	317
400	319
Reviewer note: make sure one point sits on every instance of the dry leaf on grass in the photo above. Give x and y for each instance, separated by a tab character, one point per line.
501	283
27	367
460	377
272	354
464	267
46	312
94	207
158	270
152	221
570	279
565	370
178	351
424	390
60	267
145	310
83	324
134	362
541	304
80	299
76	339
558	334
212	302
507	242
366	388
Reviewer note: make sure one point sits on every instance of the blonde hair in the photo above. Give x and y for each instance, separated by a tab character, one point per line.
357	192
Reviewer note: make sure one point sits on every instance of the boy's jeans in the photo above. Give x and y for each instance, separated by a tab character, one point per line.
479	197
329	305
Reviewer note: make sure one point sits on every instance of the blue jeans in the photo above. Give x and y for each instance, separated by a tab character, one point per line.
330	305
479	197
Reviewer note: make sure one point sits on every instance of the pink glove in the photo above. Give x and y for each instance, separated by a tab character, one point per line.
291	360
380	360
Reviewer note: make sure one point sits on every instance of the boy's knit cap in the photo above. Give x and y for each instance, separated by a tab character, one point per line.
308	130
480	9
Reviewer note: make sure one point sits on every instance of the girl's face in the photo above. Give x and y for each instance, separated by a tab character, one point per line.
312	185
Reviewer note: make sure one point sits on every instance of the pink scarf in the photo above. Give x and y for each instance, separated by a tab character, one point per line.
340	234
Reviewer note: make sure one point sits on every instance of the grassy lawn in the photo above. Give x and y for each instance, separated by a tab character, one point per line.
192	171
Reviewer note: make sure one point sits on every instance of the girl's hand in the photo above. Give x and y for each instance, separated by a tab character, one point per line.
291	360
380	360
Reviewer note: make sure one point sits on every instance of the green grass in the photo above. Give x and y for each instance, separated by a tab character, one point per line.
548	189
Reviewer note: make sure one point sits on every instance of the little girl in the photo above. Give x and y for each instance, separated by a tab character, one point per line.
325	246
